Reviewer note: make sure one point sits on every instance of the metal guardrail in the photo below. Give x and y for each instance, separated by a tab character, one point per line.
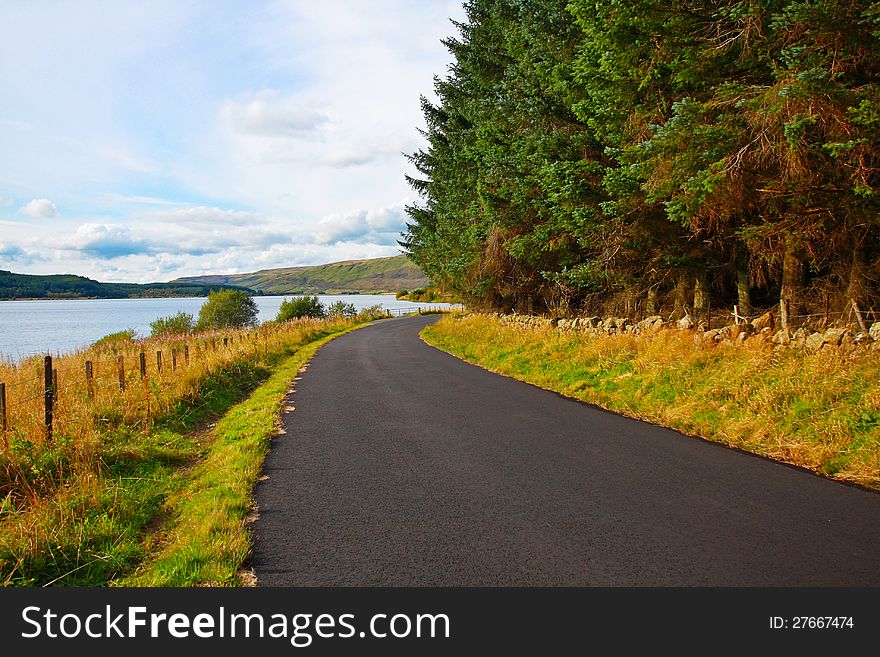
402	312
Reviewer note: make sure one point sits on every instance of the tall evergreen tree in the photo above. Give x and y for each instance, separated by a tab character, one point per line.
599	154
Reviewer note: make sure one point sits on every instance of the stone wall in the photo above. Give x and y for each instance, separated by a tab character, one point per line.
761	329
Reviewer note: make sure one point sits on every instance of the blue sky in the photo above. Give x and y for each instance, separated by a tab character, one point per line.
149	140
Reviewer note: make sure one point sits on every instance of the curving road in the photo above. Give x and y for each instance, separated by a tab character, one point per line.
403	465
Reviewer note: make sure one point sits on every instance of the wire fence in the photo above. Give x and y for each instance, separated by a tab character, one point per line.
781	317
44	397
131	382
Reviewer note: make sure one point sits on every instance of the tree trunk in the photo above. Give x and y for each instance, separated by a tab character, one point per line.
855	290
684	292
793	277
651	301
743	289
701	294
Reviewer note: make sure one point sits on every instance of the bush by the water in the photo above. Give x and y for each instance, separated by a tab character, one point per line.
300	307
227	309
341	309
427	295
173	325
118	338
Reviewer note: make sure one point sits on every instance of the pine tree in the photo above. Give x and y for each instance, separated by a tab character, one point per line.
607	155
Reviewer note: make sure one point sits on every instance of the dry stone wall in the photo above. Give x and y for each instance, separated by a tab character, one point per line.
761	329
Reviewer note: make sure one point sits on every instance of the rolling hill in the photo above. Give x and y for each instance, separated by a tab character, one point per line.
69	286
349	276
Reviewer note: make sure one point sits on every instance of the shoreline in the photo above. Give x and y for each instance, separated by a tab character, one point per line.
190	296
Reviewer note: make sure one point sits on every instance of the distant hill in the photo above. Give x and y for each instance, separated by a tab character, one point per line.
350	276
68	286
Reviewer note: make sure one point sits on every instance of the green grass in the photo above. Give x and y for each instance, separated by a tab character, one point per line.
816	410
92	529
209	540
166	505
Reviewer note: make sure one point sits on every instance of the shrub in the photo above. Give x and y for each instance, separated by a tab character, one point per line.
401	293
341	309
300	307
119	338
426	295
372	312
227	309
172	325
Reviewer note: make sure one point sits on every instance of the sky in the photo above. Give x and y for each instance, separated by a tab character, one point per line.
143	141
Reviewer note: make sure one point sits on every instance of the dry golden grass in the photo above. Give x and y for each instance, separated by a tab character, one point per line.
94	502
81	416
816	410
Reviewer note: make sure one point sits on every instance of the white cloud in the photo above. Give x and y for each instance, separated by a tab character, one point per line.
342	227
207	215
382	226
268	114
390	218
199	137
107	241
10	251
40	208
187	233
342	159
136	199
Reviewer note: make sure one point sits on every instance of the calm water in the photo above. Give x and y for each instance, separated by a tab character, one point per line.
32	327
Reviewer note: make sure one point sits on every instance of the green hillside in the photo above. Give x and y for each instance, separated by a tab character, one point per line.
68	286
374	275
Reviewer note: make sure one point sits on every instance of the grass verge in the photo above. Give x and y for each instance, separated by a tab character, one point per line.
209	539
158	506
819	410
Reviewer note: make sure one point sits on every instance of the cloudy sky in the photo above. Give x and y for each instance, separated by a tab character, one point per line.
147	140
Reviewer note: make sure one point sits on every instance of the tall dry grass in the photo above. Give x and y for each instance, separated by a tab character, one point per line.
33	465
94	501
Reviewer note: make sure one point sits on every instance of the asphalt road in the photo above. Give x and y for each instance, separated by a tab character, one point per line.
403	465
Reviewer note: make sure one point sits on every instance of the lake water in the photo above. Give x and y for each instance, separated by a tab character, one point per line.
50	326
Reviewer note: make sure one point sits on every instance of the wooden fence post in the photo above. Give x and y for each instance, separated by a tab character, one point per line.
159	361
783	313
142	358
90	380
858	312
48	395
146	383
225	342
120	370
3	414
186	354
174	360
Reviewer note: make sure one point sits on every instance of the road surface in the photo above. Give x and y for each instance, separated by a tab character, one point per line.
403	465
